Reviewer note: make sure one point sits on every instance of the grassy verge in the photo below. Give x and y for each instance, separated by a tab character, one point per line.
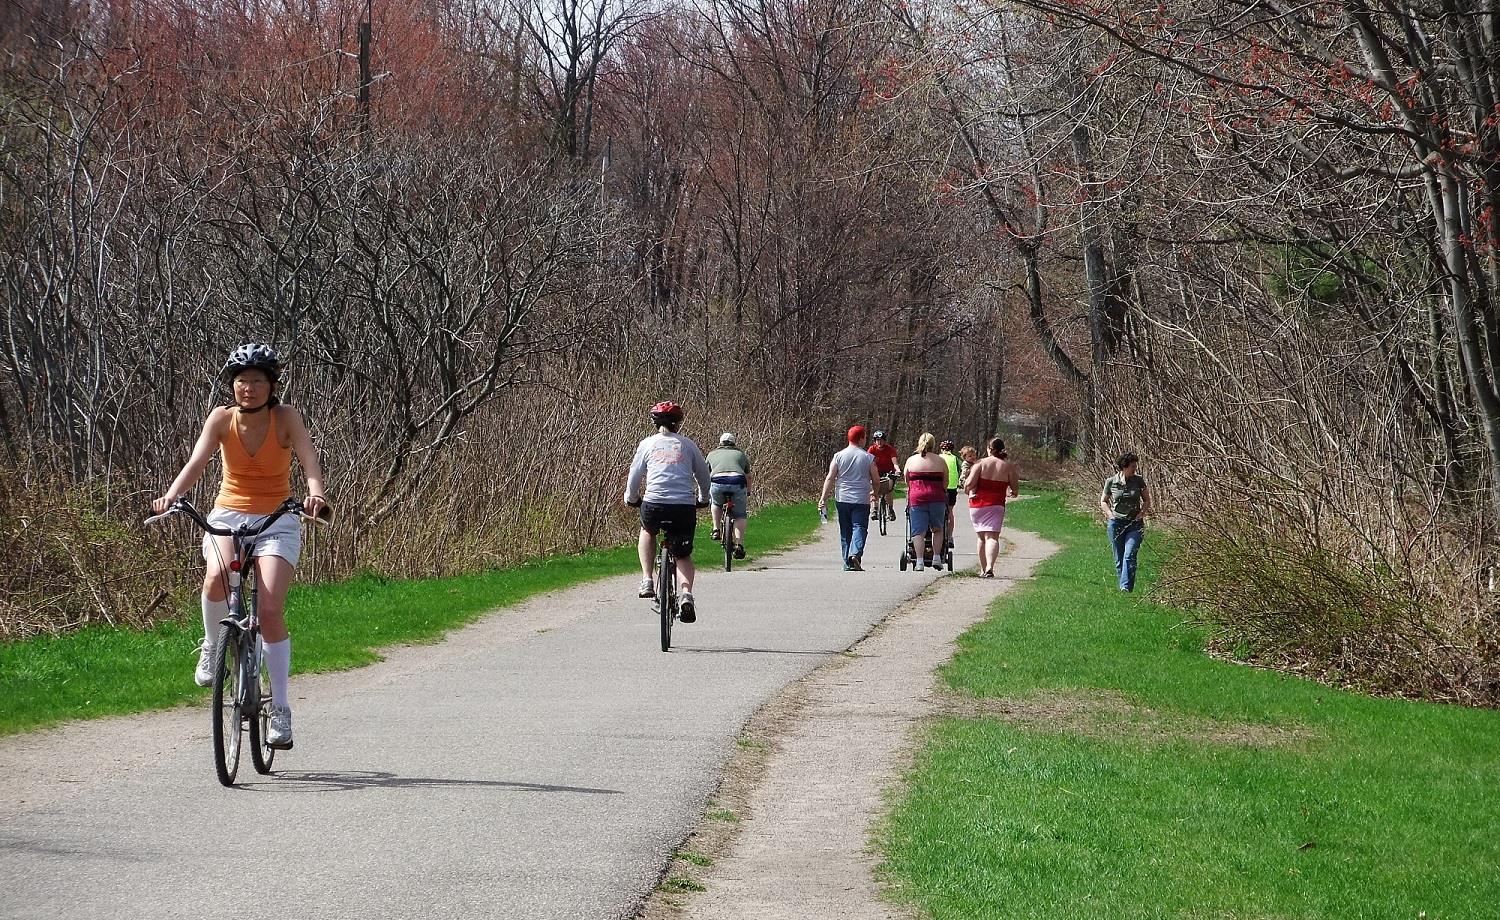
1114	771
103	671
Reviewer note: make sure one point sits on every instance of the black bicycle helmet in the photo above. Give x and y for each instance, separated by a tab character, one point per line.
879	435
252	355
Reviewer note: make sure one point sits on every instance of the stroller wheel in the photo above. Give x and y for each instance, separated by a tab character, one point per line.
903	562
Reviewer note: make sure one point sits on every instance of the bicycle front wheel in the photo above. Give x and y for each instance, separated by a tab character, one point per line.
666	595
259	710
883	511
229	695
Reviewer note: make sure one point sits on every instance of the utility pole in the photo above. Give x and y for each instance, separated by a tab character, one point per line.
604	163
364	73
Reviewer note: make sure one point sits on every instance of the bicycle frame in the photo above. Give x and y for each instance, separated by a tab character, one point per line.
244	619
665	546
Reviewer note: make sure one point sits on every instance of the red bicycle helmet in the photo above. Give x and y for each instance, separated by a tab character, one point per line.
667	412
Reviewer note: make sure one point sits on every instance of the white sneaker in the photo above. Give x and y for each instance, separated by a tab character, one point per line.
280	734
204	675
647	588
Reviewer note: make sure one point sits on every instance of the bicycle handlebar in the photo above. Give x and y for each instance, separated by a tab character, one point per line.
291	505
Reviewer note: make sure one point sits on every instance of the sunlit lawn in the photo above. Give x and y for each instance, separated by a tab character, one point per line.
1136	777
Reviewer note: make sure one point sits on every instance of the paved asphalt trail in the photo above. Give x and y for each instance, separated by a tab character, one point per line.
543	763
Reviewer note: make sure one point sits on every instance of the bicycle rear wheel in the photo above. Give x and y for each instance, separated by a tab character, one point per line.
259	710
666	595
726	530
229	695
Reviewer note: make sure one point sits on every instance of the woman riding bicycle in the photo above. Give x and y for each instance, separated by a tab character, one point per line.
669	482
255	437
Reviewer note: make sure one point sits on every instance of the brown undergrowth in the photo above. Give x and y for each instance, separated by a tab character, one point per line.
66	561
1390	607
1106	714
528	480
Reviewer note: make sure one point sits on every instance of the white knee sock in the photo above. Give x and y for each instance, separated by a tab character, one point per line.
213	612
279	664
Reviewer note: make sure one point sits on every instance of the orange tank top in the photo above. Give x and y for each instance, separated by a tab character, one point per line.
254	484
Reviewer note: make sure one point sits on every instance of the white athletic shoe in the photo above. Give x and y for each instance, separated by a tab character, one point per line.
204	675
280	734
647	588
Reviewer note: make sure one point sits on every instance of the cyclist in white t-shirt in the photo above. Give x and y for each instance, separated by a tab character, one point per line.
669	482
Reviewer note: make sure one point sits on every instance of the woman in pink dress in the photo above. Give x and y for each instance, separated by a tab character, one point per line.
989	482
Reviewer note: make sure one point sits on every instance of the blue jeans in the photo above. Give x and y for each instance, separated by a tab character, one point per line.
854	522
719	493
1125	539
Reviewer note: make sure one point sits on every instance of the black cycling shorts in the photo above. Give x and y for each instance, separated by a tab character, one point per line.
952	497
679	522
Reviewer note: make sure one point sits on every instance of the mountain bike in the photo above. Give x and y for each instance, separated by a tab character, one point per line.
242	687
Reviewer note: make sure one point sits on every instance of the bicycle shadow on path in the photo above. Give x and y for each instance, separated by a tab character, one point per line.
745	650
355	780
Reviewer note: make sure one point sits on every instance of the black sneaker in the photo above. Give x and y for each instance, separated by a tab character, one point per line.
716	535
739	551
687	612
854	565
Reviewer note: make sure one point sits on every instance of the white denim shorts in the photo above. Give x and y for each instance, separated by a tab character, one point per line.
283	539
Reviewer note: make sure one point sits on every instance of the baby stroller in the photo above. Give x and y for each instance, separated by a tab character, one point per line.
909	552
948	522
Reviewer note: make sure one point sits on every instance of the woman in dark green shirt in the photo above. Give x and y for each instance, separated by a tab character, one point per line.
1126	502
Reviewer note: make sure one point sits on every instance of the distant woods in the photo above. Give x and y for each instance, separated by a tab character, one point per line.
1255	243
484	247
1260	241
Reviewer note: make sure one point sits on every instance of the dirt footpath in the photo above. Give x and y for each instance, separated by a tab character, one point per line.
789	832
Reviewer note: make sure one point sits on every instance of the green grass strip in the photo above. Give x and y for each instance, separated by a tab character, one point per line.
101	671
1123	773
